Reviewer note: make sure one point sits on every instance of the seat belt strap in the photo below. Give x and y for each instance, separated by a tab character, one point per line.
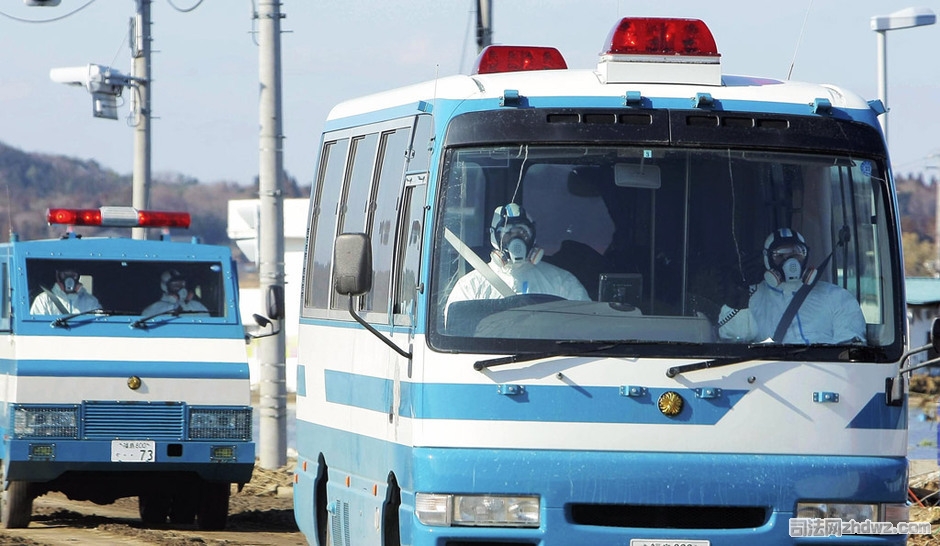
471	257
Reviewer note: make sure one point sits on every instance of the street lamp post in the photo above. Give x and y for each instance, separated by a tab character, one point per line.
881	24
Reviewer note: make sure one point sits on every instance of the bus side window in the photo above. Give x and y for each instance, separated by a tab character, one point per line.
355	198
410	236
323	224
383	210
421	144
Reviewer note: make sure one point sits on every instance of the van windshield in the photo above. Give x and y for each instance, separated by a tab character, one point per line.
686	246
125	287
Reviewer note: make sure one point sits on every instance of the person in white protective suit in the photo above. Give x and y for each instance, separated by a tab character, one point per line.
829	314
175	296
67	296
517	261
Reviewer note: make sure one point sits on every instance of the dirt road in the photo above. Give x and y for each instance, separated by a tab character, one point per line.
259	515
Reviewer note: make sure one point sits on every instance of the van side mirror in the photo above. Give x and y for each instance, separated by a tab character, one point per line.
352	264
275	301
265	327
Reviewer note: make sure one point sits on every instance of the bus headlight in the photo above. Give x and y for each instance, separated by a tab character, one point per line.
852	511
220	423
477	510
45	422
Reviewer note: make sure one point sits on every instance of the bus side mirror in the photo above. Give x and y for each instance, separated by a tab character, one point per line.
894	386
352	264
935	335
352	276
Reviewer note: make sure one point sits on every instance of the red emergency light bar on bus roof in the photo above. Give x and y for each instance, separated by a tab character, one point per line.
118	217
661	36
660	50
503	58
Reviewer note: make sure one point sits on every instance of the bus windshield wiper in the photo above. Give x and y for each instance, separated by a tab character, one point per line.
777	352
176	311
566	348
63	321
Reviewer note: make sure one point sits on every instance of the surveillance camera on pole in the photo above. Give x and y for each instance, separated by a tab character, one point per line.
103	82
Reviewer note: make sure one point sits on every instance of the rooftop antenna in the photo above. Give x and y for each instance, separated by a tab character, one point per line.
800	39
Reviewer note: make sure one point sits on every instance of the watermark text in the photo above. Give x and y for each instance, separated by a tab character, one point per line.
835	527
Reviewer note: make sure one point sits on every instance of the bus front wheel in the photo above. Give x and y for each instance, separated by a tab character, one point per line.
17	506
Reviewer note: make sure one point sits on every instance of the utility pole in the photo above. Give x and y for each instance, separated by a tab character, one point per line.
484	24
140	108
272	388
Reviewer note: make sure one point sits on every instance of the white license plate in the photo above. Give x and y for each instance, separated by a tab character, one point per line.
667	542
133	451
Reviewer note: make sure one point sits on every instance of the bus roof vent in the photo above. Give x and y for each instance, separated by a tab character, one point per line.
660	50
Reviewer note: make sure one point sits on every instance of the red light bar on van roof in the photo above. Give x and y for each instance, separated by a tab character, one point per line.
503	58
661	36
118	217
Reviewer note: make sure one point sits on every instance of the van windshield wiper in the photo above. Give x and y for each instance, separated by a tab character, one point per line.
176	311
63	321
567	347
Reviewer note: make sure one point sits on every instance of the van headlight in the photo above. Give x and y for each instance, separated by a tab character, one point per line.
894	513
220	423
442	510
45	422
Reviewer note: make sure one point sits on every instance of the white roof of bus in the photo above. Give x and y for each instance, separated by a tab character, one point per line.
587	83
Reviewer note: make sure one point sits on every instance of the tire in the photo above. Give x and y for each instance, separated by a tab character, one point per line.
17	506
154	508
391	528
212	510
183	506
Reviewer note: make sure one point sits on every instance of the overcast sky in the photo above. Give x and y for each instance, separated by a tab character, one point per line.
205	66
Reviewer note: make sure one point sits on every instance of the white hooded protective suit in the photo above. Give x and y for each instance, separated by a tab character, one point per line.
829	314
169	302
75	302
523	278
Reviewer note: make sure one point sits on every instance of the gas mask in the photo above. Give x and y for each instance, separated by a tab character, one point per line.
785	254
515	244
178	289
69	281
513	236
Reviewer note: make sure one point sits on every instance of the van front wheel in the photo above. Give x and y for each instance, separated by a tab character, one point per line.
17	506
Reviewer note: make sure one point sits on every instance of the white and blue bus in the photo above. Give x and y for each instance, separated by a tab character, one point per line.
112	387
441	402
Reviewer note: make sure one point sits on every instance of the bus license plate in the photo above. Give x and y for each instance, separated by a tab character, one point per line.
133	451
667	542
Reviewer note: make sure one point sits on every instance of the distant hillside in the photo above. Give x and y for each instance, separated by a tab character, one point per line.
31	183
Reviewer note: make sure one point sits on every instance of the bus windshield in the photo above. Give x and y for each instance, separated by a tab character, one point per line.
678	250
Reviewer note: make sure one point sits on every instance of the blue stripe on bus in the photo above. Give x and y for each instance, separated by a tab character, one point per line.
111	368
301	380
726	478
557	404
878	415
563	403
